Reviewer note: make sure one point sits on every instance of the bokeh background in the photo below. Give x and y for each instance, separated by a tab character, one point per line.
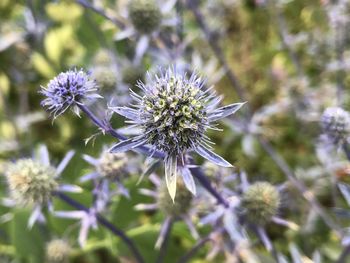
290	56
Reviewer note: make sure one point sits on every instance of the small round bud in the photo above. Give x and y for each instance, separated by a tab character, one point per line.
260	202
105	77
112	165
57	251
103	58
30	181
335	123
182	202
145	15
132	74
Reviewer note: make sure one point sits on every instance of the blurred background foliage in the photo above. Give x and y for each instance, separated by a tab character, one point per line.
39	39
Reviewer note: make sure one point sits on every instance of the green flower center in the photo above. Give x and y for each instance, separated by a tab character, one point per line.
176	116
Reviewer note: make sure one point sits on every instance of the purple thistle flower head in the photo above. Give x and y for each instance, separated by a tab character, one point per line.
173	115
67	89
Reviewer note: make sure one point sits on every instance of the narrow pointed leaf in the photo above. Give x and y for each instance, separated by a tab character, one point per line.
225	111
127	145
150	169
64	162
213	157
126	112
345	190
188	180
170	175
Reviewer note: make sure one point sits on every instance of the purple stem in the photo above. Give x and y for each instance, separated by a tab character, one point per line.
346	150
116	231
203	180
344	255
108	129
101	12
186	258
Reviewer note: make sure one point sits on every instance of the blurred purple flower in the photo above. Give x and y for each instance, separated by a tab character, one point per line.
29	187
68	89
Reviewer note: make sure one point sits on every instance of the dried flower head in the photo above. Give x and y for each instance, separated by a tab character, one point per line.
260	202
31	182
145	15
173	116
111	165
335	123
68	89
57	251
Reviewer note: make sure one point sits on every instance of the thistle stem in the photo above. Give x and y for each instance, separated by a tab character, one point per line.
101	12
203	180
105	127
185	258
193	6
104	222
346	150
344	255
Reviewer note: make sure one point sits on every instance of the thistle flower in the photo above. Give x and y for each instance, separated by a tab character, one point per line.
145	15
57	251
68	89
32	182
105	77
144	21
109	167
229	219
181	209
173	116
260	202
335	123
